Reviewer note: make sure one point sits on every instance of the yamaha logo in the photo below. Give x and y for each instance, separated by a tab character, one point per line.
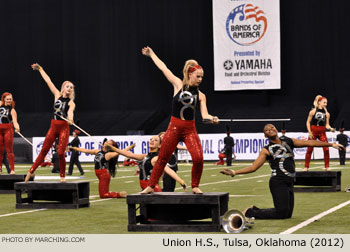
228	64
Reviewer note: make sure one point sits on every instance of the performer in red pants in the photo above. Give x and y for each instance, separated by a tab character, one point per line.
317	123
105	167
182	124
63	107
8	120
147	162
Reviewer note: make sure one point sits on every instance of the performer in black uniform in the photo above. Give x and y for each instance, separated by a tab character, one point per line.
74	158
63	107
229	144
168	182
105	166
147	162
182	128
343	140
279	153
317	123
8	121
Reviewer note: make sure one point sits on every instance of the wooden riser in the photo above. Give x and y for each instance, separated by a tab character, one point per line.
176	212
313	181
52	195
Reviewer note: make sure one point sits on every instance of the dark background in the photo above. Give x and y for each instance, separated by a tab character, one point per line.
97	44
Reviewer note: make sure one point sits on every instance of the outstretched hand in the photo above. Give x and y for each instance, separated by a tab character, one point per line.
338	146
36	66
147	51
228	172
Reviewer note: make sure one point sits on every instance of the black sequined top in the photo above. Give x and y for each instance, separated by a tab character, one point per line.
281	158
185	102
5	114
146	166
61	108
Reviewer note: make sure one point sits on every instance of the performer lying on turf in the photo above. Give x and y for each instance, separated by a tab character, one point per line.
105	167
148	161
182	127
279	153
8	120
63	107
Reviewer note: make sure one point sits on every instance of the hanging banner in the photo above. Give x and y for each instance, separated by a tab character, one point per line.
247	146
246	44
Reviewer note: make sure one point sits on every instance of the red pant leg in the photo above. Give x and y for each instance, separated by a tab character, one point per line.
2	146
308	155
8	139
323	138
103	187
169	143
62	145
49	140
194	147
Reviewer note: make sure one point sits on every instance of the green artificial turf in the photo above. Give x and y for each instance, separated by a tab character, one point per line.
110	216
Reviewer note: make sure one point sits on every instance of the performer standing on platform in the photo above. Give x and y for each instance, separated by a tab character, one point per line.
182	124
74	158
317	123
105	167
229	144
147	162
63	107
168	182
343	140
279	152
8	121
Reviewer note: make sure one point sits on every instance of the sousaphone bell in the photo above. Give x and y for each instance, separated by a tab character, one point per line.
234	221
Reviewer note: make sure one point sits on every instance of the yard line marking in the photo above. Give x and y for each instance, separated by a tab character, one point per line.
315	218
100	200
25	212
227	181
130	181
43	209
237	195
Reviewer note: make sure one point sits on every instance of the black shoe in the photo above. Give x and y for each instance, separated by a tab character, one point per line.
69	174
82	174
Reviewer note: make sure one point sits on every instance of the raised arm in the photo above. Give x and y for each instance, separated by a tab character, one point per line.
47	79
308	123
128	154
14	119
92	152
314	143
255	166
114	154
204	109
175	81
